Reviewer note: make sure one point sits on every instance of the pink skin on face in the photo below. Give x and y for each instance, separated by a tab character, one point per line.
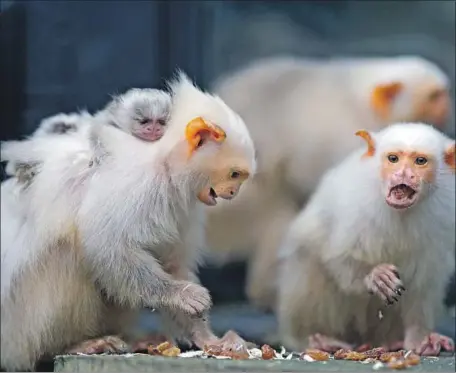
150	131
403	188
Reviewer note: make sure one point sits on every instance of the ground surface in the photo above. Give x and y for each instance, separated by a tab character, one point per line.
146	363
252	325
257	326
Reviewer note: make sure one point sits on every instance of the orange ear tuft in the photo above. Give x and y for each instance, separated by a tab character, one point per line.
383	96
450	157
198	131
370	142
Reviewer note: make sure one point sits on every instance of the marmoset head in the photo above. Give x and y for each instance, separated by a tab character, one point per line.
142	112
412	158
218	143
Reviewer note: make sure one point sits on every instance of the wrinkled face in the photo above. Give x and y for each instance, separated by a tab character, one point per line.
149	118
142	112
406	177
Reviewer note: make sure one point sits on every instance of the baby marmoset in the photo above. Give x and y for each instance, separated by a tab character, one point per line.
133	230
144	113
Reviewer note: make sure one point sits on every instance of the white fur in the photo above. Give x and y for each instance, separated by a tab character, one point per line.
302	114
91	225
79	121
126	110
348	219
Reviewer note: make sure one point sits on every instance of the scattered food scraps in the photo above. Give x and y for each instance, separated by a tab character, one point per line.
409	360
355	356
164	349
308	358
394	360
341	354
375	353
171	352
255	353
213	350
317	355
192	354
268	352
349	355
142	344
236	353
389	356
378	357
397	364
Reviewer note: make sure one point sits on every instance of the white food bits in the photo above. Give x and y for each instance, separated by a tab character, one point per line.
368	361
191	354
255	353
308	358
378	365
407	354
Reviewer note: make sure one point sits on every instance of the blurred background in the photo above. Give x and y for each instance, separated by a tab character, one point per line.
65	55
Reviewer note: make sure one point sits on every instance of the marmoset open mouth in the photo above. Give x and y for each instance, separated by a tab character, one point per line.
212	193
208	196
401	196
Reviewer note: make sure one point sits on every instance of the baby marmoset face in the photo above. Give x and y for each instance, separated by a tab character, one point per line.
142	112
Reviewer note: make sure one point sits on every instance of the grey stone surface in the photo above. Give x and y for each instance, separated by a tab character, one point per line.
146	363
258	326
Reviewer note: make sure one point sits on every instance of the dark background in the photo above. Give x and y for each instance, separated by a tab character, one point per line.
66	55
63	55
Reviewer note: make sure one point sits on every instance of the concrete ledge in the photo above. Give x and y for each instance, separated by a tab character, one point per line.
147	363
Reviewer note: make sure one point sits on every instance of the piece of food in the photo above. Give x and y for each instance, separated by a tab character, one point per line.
239	353
412	359
255	353
164	346
171	352
397	364
142	344
389	356
349	355
374	353
163	349
267	352
152	350
341	354
355	356
191	354
317	355
307	358
369	360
